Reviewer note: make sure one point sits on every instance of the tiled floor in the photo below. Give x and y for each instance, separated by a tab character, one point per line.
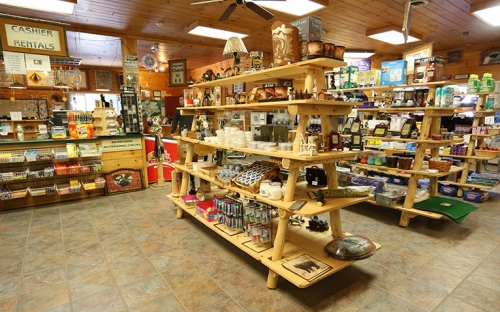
129	252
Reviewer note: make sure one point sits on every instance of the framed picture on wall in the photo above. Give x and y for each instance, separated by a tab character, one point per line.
177	73
103	80
419	52
490	57
145	93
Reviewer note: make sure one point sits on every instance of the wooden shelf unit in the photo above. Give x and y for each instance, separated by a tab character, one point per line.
285	246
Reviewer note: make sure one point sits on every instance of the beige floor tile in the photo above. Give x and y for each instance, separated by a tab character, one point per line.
292	308
45	237
14	229
133	217
42	228
35	281
397	262
112	232
211	263
83	253
361	293
167	303
62	308
87	267
11	256
455	304
171	260
436	278
452	266
46	220
8	305
229	306
153	234
109	301
184	275
141	292
43	299
237	281
37	251
487	274
421	295
44	262
10	270
125	255
86	239
415	252
94	283
16	217
141	226
201	295
101	210
478	296
155	246
262	299
10	243
389	302
9	287
337	302
132	271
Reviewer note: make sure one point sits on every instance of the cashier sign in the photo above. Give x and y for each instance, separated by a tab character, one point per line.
32	37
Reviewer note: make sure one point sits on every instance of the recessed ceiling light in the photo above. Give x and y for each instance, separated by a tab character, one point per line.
488	12
55	6
358	54
392	35
215	33
293	7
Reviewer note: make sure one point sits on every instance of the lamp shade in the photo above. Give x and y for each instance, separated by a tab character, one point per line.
234	48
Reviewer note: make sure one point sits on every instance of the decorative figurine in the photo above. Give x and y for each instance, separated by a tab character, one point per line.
320	198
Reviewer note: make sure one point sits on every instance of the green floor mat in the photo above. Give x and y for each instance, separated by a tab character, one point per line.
455	209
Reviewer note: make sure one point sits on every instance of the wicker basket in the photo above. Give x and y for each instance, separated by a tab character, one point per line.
485	153
441	166
494	131
272	173
222	181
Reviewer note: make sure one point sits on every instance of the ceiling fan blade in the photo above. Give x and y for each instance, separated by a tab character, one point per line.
407	20
260	10
206	1
228	12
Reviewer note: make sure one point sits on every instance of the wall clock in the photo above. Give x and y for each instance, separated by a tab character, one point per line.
149	61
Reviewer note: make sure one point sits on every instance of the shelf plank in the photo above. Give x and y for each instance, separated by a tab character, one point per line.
308	210
441	155
488	113
470	185
315	159
418	212
54	177
299	242
408	172
427	84
291	70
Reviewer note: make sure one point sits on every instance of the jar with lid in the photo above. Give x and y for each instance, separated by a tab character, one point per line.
275	191
283	188
264	188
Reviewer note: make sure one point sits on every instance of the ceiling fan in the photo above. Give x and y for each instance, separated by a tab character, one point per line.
251	5
410	4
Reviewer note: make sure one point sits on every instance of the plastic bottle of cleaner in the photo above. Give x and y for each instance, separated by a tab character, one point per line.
437	98
474	85
487	83
20	133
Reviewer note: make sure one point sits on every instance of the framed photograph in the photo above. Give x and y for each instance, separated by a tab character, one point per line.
238	87
356	141
490	57
454	57
335	141
380	130
416	53
157	93
103	80
145	93
218	96
285	82
123	180
177	73
356	126
406	129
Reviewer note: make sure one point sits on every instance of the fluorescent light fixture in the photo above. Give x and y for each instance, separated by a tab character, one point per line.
392	35
488	12
293	7
358	54
55	6
214	33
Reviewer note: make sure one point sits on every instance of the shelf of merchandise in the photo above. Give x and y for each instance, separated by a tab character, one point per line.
428	84
298	243
470	185
441	155
54	177
286	246
409	173
475	141
420	141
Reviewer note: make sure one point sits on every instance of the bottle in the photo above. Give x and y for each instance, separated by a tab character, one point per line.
474	85
437	99
20	133
489	102
487	83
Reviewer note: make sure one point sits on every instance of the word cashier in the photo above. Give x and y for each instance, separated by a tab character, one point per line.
32	37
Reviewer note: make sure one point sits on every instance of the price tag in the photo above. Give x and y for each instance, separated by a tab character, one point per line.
314	183
4	133
42	129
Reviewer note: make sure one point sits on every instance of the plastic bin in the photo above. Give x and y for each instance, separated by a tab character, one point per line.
11	157
42	190
91	166
40	172
71	168
66	189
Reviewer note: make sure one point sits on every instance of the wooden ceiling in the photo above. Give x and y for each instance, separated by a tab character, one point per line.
97	26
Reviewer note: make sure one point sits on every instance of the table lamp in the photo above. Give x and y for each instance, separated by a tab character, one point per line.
235	48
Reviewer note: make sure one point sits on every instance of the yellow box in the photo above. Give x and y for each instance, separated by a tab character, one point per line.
361	79
73	183
372	78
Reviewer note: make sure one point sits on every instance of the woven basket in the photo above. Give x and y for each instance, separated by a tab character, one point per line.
441	166
485	153
271	174
221	181
493	130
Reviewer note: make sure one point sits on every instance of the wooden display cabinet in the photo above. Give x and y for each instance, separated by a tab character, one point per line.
289	242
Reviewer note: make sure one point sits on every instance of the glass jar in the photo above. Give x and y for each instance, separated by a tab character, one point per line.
371	160
283	189
378	161
264	188
364	159
392	161
275	191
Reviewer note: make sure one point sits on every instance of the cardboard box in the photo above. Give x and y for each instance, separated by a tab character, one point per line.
389	199
361	81
207	210
309	30
349	76
372	78
190	200
393	73
428	69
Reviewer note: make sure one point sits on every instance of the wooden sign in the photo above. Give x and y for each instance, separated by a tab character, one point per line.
177	73
31	37
415	53
123	180
126	144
